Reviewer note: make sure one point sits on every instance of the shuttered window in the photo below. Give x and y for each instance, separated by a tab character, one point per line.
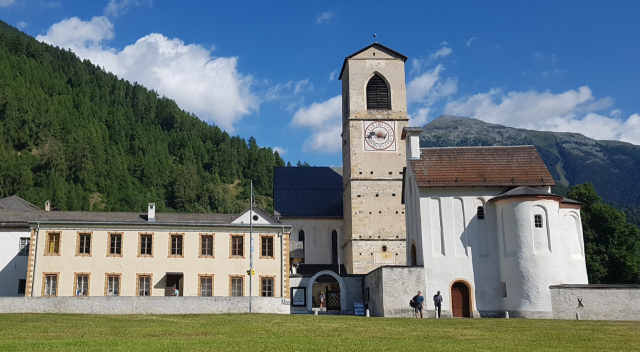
377	94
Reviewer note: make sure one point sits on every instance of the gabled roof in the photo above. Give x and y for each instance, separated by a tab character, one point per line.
377	45
263	217
524	191
307	192
16	203
481	167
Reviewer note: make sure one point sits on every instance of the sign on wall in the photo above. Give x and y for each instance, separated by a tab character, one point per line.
299	296
358	308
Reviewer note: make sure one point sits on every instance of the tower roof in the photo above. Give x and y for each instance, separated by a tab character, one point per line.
377	46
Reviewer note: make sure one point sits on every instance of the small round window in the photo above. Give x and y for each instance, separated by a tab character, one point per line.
255	218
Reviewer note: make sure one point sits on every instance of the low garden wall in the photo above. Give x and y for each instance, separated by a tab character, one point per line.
144	305
596	302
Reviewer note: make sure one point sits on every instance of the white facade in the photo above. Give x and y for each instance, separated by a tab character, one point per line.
318	239
506	261
14	260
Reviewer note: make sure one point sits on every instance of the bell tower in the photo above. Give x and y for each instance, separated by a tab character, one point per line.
374	112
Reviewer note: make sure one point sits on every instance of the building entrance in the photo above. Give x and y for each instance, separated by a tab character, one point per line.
460	300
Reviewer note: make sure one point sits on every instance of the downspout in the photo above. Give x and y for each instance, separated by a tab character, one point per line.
282	263
35	259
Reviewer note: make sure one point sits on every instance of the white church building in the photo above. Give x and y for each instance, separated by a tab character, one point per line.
479	224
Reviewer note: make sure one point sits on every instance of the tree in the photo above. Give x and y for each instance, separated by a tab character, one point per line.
612	246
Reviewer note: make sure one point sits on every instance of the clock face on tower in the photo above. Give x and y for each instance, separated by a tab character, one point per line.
379	135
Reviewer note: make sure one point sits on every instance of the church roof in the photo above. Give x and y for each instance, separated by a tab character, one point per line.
379	47
303	192
524	191
481	167
17	204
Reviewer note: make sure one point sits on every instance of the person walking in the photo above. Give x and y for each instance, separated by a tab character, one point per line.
418	303
437	302
321	300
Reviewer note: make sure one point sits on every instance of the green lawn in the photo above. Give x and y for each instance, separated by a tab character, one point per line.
62	332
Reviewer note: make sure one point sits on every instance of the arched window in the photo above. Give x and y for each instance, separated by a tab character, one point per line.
334	247
414	255
378	94
301	239
481	213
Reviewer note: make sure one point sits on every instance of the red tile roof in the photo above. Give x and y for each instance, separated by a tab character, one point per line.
481	166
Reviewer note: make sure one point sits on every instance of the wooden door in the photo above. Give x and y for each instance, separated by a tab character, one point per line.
460	300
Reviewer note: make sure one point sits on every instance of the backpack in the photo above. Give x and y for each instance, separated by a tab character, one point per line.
413	303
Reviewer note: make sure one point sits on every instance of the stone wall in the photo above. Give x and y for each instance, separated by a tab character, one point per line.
143	305
596	302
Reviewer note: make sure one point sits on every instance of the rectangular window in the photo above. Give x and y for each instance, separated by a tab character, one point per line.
266	287
206	245
538	220
24	246
267	246
84	243
144	285
206	286
480	213
82	285
50	285
113	285
146	245
22	286
237	287
176	245
115	244
53	243
237	246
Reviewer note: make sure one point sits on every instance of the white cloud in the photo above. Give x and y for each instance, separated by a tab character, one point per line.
116	8
280	151
427	88
323	119
419	118
5	3
570	111
51	5
209	86
471	40
325	17
333	74
615	113
22	24
443	52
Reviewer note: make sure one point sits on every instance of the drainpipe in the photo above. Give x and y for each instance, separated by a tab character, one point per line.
35	259
282	273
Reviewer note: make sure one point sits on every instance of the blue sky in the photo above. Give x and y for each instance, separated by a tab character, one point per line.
269	69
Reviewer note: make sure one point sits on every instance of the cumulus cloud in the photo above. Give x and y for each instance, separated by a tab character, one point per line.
419	118
333	74
429	87
5	3
22	24
325	17
570	111
324	120
280	151
209	86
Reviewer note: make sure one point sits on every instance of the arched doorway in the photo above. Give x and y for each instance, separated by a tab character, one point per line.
341	293
460	303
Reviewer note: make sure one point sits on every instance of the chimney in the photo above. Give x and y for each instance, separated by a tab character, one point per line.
47	205
151	214
412	135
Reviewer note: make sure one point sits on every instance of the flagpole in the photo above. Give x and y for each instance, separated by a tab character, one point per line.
251	244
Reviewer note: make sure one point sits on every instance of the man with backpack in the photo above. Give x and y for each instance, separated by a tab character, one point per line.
418	303
437	301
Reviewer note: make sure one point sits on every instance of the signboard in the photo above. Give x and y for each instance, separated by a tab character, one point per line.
298	296
358	308
251	272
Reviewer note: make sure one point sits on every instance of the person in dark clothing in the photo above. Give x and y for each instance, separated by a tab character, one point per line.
437	301
418	303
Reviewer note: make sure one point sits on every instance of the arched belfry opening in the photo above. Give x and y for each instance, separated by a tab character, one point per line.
378	94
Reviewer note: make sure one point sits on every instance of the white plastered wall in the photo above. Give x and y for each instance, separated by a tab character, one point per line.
317	233
13	267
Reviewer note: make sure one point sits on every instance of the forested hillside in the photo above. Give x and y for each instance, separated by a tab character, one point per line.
86	140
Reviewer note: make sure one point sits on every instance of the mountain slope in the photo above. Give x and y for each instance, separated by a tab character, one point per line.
612	167
87	140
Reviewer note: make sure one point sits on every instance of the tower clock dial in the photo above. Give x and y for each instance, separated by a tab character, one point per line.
379	135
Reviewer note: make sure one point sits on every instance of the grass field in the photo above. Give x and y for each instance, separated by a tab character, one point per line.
62	332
